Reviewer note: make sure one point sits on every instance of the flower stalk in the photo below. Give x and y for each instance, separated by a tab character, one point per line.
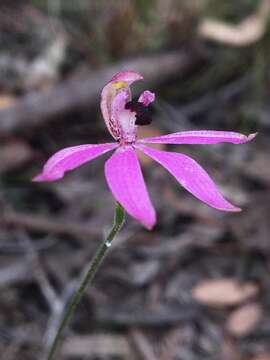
88	276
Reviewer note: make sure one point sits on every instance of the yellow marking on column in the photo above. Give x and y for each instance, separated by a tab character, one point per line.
120	84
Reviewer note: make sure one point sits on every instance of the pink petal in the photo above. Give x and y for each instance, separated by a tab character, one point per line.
147	97
125	180
201	137
69	158
191	176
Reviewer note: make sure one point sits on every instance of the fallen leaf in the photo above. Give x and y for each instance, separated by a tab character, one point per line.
6	101
243	320
223	292
245	33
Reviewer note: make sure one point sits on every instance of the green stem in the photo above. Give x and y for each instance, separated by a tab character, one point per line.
119	219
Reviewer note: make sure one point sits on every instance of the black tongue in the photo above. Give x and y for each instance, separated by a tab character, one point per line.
143	114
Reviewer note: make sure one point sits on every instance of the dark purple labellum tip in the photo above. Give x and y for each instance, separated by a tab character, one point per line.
143	114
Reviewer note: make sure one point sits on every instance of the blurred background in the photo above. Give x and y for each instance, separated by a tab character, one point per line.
197	286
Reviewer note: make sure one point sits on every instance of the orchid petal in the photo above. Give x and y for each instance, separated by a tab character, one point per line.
200	137
147	97
70	158
191	176
125	180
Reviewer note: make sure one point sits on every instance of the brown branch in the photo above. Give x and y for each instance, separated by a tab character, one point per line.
36	108
46	224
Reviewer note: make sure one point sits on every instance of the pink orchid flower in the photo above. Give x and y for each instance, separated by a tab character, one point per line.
122	170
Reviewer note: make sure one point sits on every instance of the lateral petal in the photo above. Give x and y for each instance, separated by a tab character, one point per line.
191	176
70	158
200	137
126	182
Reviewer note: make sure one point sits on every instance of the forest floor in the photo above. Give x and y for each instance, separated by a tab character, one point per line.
197	286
